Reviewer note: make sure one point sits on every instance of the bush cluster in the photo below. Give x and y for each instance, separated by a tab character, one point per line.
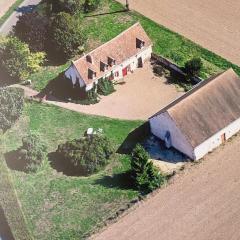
88	154
193	67
17	60
33	151
146	177
105	87
11	106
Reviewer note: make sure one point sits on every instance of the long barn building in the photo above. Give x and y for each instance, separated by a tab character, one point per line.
203	118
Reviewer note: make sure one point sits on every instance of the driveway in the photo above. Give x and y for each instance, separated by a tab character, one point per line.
26	6
201	203
142	95
213	24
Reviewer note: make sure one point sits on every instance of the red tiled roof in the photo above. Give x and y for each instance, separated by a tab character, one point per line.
119	48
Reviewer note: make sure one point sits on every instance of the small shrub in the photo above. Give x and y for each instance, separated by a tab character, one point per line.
11	106
34	151
90	5
158	70
105	87
146	177
88	154
193	67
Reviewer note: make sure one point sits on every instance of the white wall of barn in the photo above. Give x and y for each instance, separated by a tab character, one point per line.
162	123
216	140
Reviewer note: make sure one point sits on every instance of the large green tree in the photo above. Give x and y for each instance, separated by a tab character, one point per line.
17	60
146	177
67	37
31	28
11	106
88	154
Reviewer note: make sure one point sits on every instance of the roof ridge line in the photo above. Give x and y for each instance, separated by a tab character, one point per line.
120	34
195	89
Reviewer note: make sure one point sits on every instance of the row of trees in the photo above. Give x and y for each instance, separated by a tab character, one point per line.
61	37
58	29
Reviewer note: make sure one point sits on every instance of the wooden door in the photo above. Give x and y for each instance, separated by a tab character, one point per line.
124	71
223	138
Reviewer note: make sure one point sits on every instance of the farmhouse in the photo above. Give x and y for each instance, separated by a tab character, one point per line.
112	60
203	118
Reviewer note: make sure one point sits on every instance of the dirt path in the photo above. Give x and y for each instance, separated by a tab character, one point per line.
213	24
202	203
142	95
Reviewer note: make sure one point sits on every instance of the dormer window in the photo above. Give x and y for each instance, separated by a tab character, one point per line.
91	74
111	61
103	66
89	59
139	43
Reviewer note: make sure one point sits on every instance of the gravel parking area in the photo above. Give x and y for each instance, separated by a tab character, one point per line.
140	96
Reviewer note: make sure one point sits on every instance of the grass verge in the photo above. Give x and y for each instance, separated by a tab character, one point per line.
10	11
9	202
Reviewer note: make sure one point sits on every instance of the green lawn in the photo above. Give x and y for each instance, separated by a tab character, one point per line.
64	207
101	28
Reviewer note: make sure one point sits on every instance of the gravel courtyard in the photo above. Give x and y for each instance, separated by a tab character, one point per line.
142	95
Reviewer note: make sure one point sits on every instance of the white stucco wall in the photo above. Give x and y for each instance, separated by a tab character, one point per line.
161	124
215	141
72	74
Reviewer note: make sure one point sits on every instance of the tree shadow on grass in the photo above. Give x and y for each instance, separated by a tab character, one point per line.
107	13
119	181
61	89
15	161
60	164
5	231
5	79
136	136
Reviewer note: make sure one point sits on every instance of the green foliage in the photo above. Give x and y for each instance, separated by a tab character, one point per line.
67	38
67	6
11	106
105	87
34	151
145	175
17	60
90	5
193	67
32	28
89	154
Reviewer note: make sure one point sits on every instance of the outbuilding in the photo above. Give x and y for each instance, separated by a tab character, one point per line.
203	118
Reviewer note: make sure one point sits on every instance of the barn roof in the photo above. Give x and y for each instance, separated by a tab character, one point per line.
120	48
206	109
